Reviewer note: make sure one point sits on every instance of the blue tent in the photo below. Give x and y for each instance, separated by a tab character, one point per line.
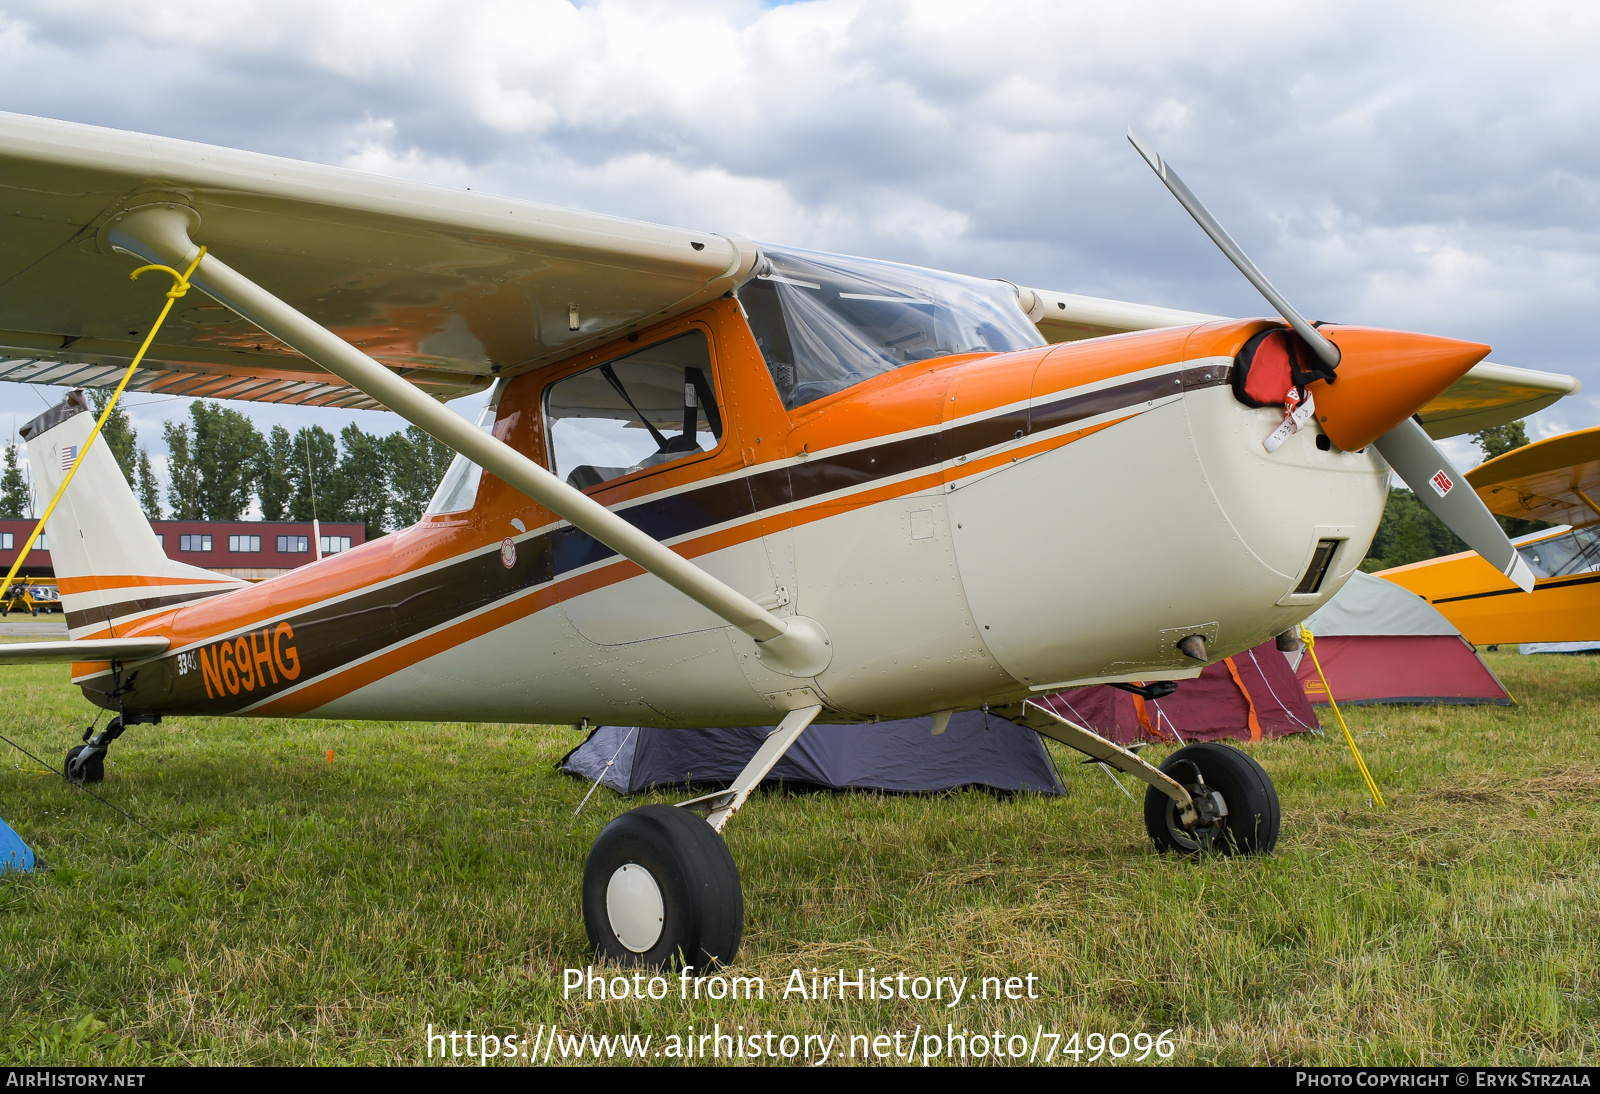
903	756
14	854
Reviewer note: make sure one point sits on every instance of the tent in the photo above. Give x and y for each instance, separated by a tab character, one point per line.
904	756
14	854
1380	643
1246	697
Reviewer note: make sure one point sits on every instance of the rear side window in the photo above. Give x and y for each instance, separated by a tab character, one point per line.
652	407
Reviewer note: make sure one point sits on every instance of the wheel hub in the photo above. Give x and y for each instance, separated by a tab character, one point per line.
1211	810
634	907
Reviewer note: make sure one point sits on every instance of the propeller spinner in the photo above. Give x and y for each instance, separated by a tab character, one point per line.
1387	376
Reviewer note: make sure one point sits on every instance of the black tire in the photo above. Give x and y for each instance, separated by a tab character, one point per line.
701	900
94	768
1251	826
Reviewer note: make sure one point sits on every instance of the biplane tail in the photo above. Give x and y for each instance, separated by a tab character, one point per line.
110	565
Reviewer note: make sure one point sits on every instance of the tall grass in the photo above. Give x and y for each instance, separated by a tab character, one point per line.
316	912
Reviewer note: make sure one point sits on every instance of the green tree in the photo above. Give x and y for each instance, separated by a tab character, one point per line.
314	472
417	464
14	499
149	490
227	449
273	482
364	476
118	433
183	486
1409	533
1497	440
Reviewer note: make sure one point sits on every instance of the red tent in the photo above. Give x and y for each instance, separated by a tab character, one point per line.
1246	697
1380	643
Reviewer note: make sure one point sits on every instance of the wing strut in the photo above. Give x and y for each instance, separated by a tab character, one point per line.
797	646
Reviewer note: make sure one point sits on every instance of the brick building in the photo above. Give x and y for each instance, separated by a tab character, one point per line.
251	549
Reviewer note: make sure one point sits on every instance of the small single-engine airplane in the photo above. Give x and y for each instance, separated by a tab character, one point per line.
716	483
1556	480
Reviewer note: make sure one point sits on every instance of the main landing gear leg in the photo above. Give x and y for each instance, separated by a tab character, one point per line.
660	889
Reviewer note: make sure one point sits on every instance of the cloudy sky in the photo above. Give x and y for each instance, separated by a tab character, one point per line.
1425	166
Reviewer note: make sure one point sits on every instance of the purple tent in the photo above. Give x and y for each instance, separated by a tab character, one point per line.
903	756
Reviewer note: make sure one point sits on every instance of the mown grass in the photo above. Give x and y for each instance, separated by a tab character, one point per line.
327	913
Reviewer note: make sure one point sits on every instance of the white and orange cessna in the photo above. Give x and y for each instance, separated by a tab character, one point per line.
717	483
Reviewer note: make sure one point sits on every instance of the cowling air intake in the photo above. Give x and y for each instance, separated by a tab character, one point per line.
1274	363
1273	369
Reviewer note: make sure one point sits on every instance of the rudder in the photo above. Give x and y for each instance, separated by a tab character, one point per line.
109	565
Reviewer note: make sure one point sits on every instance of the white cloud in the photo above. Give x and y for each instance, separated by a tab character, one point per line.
1414	166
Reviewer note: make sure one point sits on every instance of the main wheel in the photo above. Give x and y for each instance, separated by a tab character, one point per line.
661	890
93	770
1251	824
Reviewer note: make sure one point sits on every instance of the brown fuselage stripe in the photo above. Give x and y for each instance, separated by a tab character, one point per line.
1549	584
330	636
110	613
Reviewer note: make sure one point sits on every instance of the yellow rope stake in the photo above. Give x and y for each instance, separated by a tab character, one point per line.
1372	785
180	285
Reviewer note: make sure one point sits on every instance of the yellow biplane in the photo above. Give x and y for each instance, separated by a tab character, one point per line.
1556	480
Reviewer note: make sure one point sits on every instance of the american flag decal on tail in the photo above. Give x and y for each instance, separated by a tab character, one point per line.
69	455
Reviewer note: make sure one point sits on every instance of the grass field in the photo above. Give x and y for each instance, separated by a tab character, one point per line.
328	913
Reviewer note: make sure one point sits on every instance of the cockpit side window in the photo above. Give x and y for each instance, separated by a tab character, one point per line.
1574	552
649	408
827	322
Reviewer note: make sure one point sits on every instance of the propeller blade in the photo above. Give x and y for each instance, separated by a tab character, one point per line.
1447	494
1324	349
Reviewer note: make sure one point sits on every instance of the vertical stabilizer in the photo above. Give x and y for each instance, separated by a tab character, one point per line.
108	562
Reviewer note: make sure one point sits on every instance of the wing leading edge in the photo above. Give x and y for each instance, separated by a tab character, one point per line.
447	287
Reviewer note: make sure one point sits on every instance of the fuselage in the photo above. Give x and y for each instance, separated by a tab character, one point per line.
1563	607
969	529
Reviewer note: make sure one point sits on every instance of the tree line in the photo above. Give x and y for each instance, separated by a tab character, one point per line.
219	462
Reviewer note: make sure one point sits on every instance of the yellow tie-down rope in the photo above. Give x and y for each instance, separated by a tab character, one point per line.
1372	785
180	285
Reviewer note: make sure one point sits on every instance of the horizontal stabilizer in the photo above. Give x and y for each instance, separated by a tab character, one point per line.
93	649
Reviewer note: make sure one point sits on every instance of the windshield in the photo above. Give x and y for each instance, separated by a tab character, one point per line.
826	322
1577	552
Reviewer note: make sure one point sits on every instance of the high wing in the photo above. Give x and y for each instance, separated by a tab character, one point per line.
1488	395
447	287
91	649
1557	480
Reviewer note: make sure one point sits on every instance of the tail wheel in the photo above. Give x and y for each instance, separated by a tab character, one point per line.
1250	825
92	770
661	891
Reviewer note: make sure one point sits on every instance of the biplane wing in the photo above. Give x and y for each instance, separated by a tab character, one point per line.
1557	480
446	287
1488	395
